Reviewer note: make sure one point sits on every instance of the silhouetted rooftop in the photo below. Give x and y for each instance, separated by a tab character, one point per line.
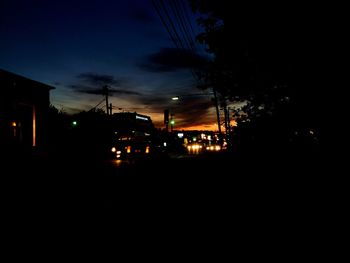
13	79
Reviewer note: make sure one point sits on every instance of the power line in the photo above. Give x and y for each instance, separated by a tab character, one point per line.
98	104
181	25
157	8
183	28
172	24
187	17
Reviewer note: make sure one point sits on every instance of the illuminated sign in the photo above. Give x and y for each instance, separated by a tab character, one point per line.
141	118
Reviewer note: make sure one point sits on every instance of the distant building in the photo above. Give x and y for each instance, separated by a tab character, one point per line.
24	106
126	122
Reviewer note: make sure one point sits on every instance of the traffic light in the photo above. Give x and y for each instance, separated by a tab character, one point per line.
74	123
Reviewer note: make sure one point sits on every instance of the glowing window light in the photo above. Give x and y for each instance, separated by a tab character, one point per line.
34	127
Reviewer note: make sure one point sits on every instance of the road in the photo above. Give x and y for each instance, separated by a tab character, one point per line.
218	183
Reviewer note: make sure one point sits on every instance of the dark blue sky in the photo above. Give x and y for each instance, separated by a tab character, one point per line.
80	46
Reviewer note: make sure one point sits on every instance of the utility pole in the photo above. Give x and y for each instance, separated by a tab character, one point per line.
217	115
229	143
166	120
105	92
226	119
227	125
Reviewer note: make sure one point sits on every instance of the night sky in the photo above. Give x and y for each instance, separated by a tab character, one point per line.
80	46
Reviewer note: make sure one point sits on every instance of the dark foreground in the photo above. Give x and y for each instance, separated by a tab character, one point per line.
210	182
179	196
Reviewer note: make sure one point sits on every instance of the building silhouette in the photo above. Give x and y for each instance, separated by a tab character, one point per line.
24	107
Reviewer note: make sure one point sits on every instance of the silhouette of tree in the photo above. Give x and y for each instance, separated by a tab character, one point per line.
262	55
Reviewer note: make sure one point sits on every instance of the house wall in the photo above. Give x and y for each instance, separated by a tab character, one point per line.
24	106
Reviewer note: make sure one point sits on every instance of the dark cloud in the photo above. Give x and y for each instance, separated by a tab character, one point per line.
172	59
125	92
100	91
194	112
155	101
98	79
191	110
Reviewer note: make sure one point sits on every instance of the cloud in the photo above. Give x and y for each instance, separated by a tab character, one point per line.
101	91
172	59
188	111
93	83
98	79
194	112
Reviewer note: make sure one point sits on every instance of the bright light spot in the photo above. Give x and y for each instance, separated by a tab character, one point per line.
194	148
118	155
119	152
113	149
217	148
233	123
172	122
14	124
118	162
74	123
180	135
141	118
164	144
175	98
147	149
128	149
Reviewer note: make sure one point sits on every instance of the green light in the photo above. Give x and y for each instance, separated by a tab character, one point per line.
172	122
74	123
